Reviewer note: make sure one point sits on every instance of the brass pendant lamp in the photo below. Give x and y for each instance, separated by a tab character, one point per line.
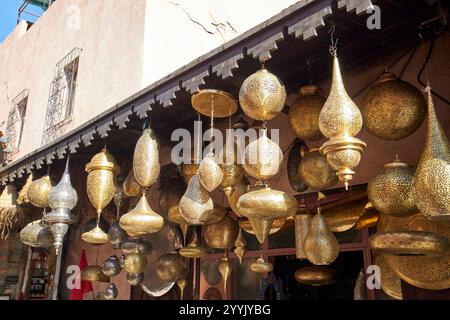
340	121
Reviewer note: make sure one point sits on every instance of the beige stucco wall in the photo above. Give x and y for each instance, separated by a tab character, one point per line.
110	34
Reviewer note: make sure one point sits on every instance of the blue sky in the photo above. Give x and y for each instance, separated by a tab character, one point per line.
8	16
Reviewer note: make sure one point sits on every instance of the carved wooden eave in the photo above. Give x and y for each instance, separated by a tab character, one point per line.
301	22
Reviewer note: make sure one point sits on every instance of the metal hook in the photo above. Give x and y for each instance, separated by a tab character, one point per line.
333	41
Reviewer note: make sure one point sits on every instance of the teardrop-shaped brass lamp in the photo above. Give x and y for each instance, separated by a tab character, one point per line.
196	205
304	113
38	192
392	109
210	173
146	165
262	95
303	220
432	179
315	171
225	269
391	191
267	203
240	243
141	220
263	157
316	275
221	235
321	246
261	266
131	187
340	121
232	174
171	267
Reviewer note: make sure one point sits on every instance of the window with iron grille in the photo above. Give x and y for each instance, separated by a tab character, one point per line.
61	97
15	123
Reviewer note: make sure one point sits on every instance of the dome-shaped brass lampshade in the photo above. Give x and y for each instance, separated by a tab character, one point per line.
304	113
95	236
37	234
222	234
392	109
321	246
315	171
146	165
38	192
432	179
391	191
193	250
93	273
262	95
141	220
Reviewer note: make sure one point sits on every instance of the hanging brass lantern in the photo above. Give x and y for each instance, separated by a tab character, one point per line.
141	220
196	205
303	218
146	165
135	262
62	198
131	187
266	203
340	121
392	109
261	266
315	171
37	234
263	157
391	191
232	174
321	246
222	234
39	190
111	267
171	267
410	243
432	179
95	236
262	95
304	113
294	158
225	269
93	273
316	276
111	292
210	173
135	279
239	245
193	250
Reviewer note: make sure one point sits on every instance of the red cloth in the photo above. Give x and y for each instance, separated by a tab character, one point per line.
85	286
